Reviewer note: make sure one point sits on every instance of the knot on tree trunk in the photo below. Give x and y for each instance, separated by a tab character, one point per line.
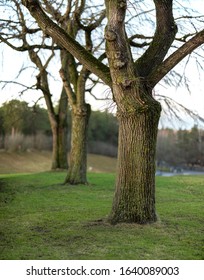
82	111
118	58
110	35
119	63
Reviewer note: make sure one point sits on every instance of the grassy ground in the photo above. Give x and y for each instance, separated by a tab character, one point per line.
42	219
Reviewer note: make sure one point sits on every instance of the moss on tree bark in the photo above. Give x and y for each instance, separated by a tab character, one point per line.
78	154
134	200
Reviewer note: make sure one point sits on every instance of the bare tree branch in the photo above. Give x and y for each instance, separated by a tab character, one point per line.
71	95
24	48
175	108
17	83
164	36
175	58
66	41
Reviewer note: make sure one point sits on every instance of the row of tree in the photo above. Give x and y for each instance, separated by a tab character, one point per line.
180	148
130	63
18	119
184	148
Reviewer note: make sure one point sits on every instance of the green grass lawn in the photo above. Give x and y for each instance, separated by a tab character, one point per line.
42	219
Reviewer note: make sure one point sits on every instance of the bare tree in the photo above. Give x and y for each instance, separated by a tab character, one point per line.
132	83
68	15
18	33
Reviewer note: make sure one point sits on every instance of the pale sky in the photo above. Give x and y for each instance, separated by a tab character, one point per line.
12	61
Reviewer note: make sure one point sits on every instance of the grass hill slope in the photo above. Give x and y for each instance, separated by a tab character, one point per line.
32	162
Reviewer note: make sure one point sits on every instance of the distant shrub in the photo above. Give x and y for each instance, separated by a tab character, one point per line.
1	141
16	142
19	142
102	148
42	142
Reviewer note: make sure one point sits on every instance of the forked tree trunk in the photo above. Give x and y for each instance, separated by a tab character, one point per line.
134	200
138	113
78	154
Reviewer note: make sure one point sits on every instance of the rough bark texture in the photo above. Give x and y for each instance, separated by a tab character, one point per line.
134	199
78	154
138	115
80	118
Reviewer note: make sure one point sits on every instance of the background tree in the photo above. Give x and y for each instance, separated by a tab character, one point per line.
180	149
18	32
190	147
2	132
75	77
67	14
24	127
14	113
74	81
167	153
132	83
103	134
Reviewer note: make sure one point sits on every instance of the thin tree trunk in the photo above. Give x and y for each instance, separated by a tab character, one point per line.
62	147
78	154
59	146
134	200
62	131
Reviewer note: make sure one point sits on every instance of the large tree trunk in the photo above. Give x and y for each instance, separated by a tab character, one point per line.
138	114
78	154
134	200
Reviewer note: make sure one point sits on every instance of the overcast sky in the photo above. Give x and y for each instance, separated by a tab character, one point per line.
11	62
